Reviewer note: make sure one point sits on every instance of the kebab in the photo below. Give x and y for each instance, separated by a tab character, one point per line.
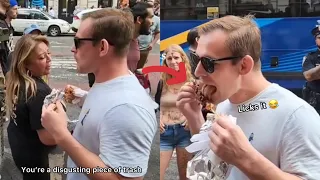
69	94
203	99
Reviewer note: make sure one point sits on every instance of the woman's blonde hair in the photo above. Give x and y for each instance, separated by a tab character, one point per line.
185	59
18	75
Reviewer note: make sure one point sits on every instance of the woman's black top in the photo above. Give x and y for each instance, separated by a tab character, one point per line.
22	133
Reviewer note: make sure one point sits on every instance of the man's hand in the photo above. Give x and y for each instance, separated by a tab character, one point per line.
229	142
189	106
54	120
186	100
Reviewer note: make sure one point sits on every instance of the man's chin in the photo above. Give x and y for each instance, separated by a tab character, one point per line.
82	71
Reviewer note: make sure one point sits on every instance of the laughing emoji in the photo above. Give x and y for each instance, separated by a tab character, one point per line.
273	104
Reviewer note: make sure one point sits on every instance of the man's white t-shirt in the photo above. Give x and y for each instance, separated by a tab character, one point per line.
117	123
283	128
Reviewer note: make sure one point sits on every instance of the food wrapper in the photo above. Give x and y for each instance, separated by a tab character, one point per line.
53	97
206	165
57	94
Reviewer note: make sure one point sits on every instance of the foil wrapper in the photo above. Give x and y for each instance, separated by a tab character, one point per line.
53	97
57	94
205	165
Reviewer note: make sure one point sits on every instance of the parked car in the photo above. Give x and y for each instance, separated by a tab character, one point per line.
77	18
51	25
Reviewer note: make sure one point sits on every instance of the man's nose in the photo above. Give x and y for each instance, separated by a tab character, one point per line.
73	49
200	71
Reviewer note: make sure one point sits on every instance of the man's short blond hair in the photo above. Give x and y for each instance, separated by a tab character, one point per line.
114	25
243	35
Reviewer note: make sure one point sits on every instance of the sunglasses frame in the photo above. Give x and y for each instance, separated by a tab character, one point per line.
208	63
77	45
77	41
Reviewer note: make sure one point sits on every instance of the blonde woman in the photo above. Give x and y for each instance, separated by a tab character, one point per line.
35	30
29	141
174	133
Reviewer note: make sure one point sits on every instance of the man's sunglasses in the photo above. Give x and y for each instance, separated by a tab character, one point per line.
208	63
77	41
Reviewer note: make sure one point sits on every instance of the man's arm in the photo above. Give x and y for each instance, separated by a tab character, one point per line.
157	32
310	71
123	142
299	151
312	74
195	122
84	158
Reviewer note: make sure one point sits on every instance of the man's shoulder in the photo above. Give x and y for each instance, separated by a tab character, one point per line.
312	54
156	18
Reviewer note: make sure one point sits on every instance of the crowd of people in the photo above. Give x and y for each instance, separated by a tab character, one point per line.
276	142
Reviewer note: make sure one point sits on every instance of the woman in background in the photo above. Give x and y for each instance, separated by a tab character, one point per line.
30	143
173	125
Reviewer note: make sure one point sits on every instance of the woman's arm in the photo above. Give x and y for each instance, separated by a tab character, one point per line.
35	109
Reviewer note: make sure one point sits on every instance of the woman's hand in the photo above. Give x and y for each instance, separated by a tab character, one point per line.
162	127
185	124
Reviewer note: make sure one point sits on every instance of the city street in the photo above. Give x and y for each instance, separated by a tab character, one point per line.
63	72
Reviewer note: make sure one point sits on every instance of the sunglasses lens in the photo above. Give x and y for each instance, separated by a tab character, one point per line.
76	43
207	65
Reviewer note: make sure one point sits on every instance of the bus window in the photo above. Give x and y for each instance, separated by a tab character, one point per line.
186	9
197	9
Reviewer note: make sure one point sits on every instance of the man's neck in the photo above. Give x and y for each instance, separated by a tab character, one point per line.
252	85
191	48
111	69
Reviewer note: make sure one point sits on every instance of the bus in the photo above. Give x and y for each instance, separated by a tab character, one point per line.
285	29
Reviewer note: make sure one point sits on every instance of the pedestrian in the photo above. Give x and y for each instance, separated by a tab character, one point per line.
276	135
52	13
192	40
174	131
147	42
117	123
311	71
11	14
4	37
29	142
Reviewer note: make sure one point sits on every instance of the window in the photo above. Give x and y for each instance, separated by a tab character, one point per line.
269	8
38	15
186	9
197	9
105	3
23	16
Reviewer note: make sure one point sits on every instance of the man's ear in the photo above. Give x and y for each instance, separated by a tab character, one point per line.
246	65
139	20
104	47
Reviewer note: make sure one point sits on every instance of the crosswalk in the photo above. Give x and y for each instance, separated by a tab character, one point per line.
63	63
